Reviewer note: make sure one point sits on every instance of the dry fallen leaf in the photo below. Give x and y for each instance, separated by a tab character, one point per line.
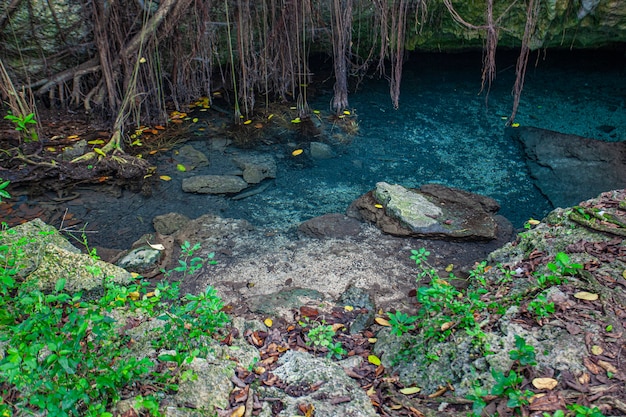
382	321
545	383
584	295
607	366
596	350
338	326
268	322
373	359
446	325
410	390
239	411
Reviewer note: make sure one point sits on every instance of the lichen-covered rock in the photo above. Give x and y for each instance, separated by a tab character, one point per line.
140	259
433	211
192	158
211	388
300	369
167	224
214	184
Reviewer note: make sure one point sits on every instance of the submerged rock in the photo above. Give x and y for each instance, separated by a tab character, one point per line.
433	211
321	150
256	168
214	184
332	225
192	158
569	168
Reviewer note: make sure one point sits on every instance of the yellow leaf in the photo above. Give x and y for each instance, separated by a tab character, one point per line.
348	308
73	137
347	112
51	149
533	222
134	295
410	390
239	411
99	151
584	295
378	206
382	321
165	177
270	116
316	112
372	340
515	125
195	120
449	268
371	392
297	152
596	350
373	359
396	407
292	108
338	326
624	274
296	120
96	142
545	383
134	275
268	322
247	122
142	60
181	167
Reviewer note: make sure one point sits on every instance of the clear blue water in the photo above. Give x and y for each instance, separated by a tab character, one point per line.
443	132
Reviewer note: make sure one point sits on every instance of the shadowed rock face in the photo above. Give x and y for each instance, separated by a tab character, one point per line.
569	168
433	212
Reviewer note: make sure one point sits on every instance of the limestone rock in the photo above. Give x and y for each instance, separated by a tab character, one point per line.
321	150
256	168
569	168
211	388
192	158
214	184
210	230
140	260
302	369
433	211
332	225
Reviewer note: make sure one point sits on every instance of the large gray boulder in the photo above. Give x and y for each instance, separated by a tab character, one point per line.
214	184
569	168
433	211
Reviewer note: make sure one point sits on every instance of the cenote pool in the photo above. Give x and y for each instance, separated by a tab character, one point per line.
443	132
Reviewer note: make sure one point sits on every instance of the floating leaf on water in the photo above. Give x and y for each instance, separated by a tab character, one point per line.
348	308
504	117
545	383
584	295
381	321
374	360
316	112
297	152
296	120
293	108
533	222
347	112
378	206
96	142
515	125
165	177
268	322
270	116
195	120
181	167
247	122
410	390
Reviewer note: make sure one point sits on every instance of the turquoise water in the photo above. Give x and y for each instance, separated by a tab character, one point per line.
443	132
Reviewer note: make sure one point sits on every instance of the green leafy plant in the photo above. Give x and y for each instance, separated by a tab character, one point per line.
524	353
321	336
584	411
24	124
401	323
3	192
563	266
188	263
540	307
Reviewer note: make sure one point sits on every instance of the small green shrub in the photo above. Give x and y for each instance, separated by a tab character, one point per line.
24	125
320	336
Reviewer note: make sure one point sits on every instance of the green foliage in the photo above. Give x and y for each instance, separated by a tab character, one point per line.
188	263
524	354
563	266
68	356
321	336
4	193
401	323
540	307
24	124
584	411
